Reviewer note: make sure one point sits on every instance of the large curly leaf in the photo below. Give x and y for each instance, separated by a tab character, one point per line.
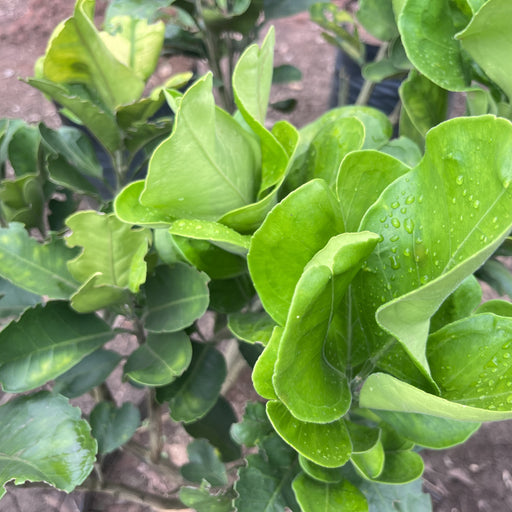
438	224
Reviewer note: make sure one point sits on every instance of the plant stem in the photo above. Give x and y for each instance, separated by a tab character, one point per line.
368	85
155	427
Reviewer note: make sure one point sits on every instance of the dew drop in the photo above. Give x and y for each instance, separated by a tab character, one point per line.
509	399
506	355
409	225
424	279
476	204
395	222
459	180
409	200
395	265
420	199
464	193
407	252
181	199
495	220
383	219
403	210
454	200
395	238
395	204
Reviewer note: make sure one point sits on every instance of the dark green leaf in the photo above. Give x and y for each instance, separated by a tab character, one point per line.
231	295
176	295
43	438
112	426
215	426
14	300
204	464
160	360
45	342
90	372
286	73
193	394
378	18
202	501
251	327
254	426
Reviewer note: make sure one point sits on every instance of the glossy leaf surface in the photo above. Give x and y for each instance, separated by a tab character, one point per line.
278	253
45	342
177	295
38	268
162	358
197	166
339	497
309	374
44	439
325	444
193	394
428	28
487	40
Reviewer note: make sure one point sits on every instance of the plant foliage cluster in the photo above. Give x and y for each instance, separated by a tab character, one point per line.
340	259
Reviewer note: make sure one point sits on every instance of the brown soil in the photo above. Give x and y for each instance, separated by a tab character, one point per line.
475	477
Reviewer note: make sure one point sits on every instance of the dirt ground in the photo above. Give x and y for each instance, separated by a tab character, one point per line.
475	477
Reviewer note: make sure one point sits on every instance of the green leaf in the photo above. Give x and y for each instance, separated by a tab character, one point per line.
497	307
425	102
283	8
362	177
378	18
252	79
403	149
251	327
438	226
14	300
326	444
112	250
37	268
469	360
22	200
96	118
215	426
176	296
135	43
309	374
140	9
75	147
76	54
497	275
64	174
23	150
90	372
277	257
209	258
229	296
264	485
429	431
193	394
45	342
264	367
129	209
204	464
428	28
43	438
319	473
254	426
112	426
392	498
202	501
461	303
367	449
94	295
162	358
335	497
218	234
400	467
329	147
286	73
487	40
197	167
384	392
